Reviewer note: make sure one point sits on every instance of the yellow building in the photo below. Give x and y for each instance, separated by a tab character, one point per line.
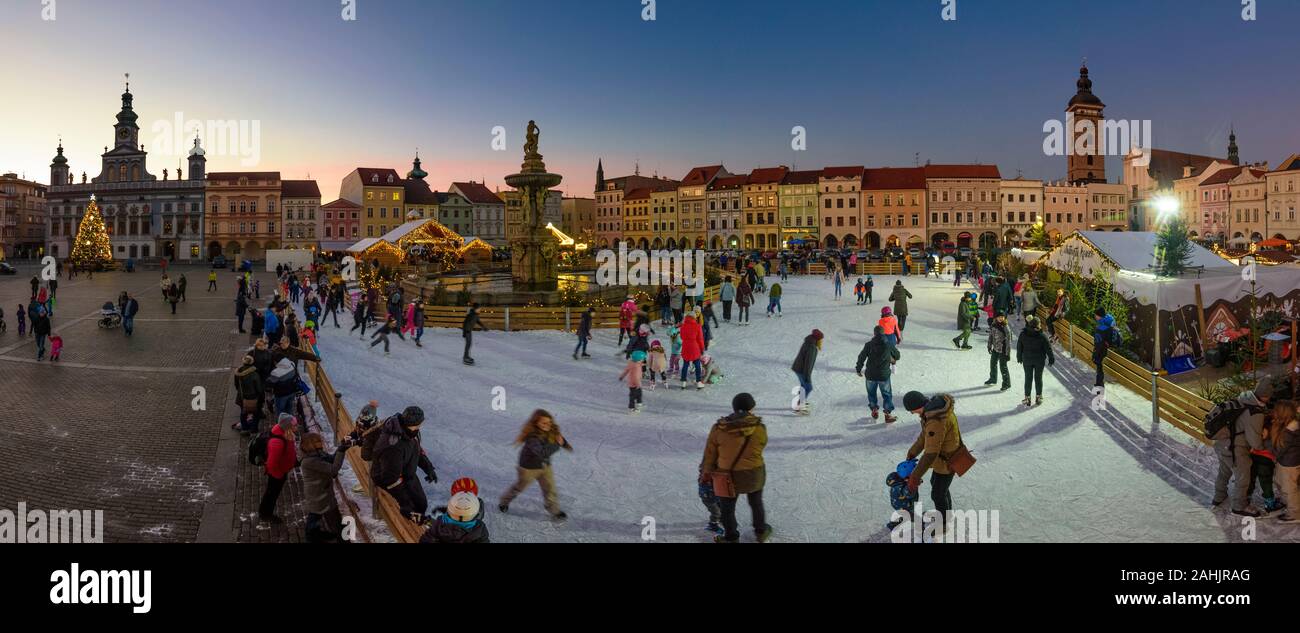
638	229
664	219
381	194
761	203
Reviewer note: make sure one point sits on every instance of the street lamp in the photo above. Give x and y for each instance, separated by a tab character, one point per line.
1166	207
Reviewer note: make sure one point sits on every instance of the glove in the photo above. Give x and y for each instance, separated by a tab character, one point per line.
914	482
1051	361
432	477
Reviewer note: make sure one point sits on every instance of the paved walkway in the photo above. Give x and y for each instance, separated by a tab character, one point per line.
111	426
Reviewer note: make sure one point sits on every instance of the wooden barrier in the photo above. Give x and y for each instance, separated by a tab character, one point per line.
1172	403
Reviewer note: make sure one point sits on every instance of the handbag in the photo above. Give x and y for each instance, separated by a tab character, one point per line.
960	460
724	485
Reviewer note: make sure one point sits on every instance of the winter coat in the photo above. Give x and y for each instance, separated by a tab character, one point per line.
631	374
397	454
722	451
132	307
676	298
584	325
899	296
775	292
1289	455
657	361
692	340
1033	349
999	340
318	473
940	436
967	313
1101	338
281	456
745	294
877	356
1002	298
538	450
448	530
662	298
41	325
626	314
1251	423
241	305
1061	307
471	321
728	292
807	358
890	325
271	322
1029	299
248	383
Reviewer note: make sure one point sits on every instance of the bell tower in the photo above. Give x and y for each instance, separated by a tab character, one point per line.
126	134
1086	159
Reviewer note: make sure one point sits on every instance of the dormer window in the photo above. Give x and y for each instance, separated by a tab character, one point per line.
390	179
374	178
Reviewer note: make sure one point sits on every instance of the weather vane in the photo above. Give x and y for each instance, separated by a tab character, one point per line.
128	82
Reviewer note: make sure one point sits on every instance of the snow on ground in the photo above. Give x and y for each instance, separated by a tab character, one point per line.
1060	472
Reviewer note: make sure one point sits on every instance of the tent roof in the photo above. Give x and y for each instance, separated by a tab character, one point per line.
1135	250
360	247
434	228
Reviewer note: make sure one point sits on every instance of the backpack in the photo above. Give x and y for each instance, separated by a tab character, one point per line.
1223	417
1114	338
257	449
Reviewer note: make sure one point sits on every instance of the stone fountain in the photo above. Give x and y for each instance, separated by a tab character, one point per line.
536	252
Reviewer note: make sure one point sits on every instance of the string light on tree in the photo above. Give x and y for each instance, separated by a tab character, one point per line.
92	245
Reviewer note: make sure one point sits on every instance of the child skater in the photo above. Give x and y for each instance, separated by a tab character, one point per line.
632	374
56	347
22	320
901	497
859	291
675	343
657	363
870	283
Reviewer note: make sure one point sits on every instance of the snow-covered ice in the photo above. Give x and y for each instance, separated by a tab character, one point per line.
1059	472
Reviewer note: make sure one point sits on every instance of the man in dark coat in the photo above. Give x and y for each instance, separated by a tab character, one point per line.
241	309
467	330
395	455
899	296
878	357
128	314
359	317
41	328
999	347
803	368
1034	352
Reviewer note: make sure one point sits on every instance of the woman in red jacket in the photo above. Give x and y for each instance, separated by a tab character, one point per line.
692	348
281	458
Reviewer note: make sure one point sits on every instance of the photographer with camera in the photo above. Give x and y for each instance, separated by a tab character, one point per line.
319	470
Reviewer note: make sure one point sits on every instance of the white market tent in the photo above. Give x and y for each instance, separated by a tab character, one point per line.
1109	252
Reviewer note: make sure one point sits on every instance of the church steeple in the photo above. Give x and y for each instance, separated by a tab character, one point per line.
59	168
416	173
1084	131
126	132
1232	148
600	175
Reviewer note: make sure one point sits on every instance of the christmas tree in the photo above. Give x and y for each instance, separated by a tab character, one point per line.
1173	248
92	245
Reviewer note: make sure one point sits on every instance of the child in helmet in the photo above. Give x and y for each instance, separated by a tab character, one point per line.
461	520
901	498
859	291
632	374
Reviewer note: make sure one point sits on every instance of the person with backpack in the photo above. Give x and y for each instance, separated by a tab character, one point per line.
319	470
1105	336
1033	352
1236	428
733	464
280	457
395	454
938	440
540	438
879	357
899	296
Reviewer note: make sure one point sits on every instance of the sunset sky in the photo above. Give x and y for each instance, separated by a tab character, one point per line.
873	83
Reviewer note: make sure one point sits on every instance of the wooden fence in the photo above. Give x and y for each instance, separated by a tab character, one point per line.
1169	402
865	268
402	528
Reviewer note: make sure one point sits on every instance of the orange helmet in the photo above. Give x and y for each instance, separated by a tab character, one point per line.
464	484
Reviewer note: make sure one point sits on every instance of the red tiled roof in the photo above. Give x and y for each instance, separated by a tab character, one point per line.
729	182
843	172
299	189
1222	176
962	171
802	177
225	176
368	175
341	204
638	194
768	175
894	178
701	175
477	193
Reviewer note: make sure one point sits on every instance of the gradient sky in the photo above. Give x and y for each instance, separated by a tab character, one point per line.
873	82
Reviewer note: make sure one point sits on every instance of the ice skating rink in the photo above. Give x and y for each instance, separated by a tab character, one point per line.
1059	472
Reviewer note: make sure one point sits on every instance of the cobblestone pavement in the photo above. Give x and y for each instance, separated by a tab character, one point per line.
111	426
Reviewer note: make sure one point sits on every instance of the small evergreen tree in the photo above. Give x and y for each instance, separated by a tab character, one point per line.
1173	248
1038	236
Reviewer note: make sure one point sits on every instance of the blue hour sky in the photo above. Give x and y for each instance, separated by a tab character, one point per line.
873	83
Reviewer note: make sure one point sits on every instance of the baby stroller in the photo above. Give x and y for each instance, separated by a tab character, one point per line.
109	316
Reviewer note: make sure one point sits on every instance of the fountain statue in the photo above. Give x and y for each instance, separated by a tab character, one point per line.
536	252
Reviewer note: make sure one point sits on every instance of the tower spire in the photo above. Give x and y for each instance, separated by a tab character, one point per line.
1233	156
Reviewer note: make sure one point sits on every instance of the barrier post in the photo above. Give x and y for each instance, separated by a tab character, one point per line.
507	318
1155	398
566	319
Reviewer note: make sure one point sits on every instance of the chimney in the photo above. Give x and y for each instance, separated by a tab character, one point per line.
1187	171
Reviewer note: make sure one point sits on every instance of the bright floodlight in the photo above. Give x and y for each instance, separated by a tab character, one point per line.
1166	206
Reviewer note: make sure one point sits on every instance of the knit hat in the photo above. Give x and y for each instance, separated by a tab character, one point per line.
286	420
914	400
463	507
412	416
743	402
886	311
1264	389
706	359
817	335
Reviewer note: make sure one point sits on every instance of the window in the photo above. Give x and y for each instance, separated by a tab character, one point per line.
828	222
828	204
871	201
